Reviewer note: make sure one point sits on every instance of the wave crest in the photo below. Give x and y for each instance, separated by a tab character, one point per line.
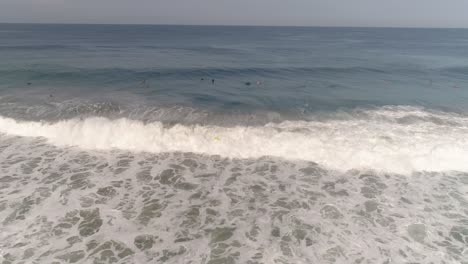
378	143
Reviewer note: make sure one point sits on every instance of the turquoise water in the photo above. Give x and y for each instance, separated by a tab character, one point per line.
197	144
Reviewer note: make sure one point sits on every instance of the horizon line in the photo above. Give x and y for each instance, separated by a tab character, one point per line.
228	25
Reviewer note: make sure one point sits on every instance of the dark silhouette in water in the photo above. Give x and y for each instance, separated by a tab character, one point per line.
212	81
202	79
143	84
248	83
29	83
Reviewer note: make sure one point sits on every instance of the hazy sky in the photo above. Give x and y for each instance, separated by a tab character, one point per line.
413	13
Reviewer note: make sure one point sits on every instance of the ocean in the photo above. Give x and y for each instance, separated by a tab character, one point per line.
224	144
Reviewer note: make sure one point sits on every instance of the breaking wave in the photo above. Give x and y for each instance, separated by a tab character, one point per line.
400	140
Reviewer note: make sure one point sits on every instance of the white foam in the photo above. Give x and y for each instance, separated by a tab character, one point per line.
379	143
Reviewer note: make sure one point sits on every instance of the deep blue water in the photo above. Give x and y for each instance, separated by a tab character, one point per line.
290	69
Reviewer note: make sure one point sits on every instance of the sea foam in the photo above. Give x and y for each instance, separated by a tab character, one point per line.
387	140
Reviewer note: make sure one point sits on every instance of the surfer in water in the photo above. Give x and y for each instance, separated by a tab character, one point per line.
143	84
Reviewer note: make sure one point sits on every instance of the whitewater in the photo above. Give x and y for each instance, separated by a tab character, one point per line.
386	142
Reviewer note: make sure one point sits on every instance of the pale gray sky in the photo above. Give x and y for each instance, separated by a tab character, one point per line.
395	13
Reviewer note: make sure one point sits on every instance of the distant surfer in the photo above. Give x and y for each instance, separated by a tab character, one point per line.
202	79
248	83
212	81
144	84
29	83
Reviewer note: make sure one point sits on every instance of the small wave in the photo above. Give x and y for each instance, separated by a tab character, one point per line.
35	47
456	70
119	74
379	142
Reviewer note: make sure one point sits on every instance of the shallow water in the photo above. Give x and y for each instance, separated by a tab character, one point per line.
120	207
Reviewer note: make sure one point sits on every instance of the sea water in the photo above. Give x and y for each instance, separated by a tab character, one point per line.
203	144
